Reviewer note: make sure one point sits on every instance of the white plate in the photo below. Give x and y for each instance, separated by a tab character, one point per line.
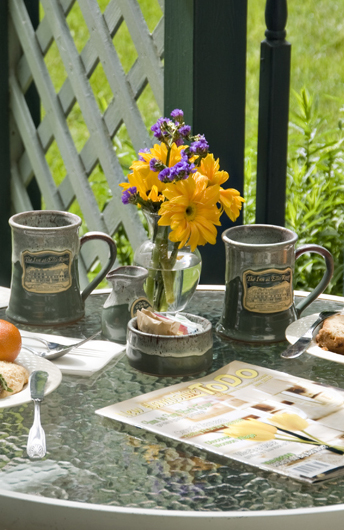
295	330
32	362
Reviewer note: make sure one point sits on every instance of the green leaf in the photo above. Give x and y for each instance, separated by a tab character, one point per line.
4	385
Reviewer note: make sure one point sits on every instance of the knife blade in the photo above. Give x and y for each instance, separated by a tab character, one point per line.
296	349
38	380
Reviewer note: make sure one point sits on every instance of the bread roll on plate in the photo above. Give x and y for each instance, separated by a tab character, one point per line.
331	335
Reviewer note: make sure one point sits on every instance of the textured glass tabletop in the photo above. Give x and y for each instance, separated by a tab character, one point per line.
93	460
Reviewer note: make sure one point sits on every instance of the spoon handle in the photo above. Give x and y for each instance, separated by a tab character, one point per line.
36	446
66	349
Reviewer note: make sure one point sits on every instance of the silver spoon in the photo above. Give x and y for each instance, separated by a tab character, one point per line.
296	349
36	447
57	350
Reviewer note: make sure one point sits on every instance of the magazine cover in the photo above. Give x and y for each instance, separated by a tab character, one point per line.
258	416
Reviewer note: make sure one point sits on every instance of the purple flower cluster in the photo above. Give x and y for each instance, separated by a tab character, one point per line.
185	130
156	165
160	128
164	175
200	146
180	171
177	132
169	131
177	114
129	195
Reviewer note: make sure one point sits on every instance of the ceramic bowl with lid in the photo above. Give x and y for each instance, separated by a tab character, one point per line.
171	355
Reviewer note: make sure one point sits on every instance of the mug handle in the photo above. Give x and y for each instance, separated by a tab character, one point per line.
113	253
317	249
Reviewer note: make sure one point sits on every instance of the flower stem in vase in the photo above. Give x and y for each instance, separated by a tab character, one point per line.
152	275
158	296
160	281
165	265
168	273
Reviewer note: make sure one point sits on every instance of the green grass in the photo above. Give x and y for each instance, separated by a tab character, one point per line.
315	31
315	210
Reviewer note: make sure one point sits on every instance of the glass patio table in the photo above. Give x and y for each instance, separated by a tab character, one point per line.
104	473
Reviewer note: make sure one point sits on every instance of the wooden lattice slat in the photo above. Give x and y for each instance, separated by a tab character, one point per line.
32	143
136	78
144	46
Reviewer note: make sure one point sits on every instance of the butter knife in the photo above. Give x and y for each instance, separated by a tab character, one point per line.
36	446
301	345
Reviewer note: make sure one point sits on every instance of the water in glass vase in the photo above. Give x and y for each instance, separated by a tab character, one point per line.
173	273
170	289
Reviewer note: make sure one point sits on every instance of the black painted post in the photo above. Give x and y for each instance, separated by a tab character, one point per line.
273	116
34	105
5	164
5	190
205	74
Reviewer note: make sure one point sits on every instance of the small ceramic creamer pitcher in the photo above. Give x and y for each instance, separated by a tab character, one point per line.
126	298
45	280
259	300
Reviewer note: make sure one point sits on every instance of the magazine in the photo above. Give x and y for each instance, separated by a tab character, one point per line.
269	419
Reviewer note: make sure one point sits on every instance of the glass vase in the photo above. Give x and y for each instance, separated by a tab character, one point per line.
173	274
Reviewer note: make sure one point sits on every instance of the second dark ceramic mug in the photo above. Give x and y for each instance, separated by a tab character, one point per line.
259	300
45	280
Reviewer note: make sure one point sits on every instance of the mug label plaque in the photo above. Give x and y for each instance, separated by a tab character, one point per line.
47	271
268	291
138	304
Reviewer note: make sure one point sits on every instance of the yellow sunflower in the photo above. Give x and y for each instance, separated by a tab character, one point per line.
146	181
210	168
209	171
159	151
191	212
147	189
231	202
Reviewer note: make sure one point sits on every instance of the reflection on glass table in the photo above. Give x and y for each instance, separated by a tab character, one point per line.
101	462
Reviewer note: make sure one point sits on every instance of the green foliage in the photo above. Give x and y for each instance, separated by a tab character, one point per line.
250	186
315	31
125	253
315	170
315	184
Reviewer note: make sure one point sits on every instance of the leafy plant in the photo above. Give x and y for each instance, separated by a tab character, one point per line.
315	182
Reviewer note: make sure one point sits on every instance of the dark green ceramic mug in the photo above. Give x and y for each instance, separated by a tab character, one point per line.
45	281
259	300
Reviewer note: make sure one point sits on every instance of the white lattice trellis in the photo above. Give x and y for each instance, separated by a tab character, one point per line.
30	144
